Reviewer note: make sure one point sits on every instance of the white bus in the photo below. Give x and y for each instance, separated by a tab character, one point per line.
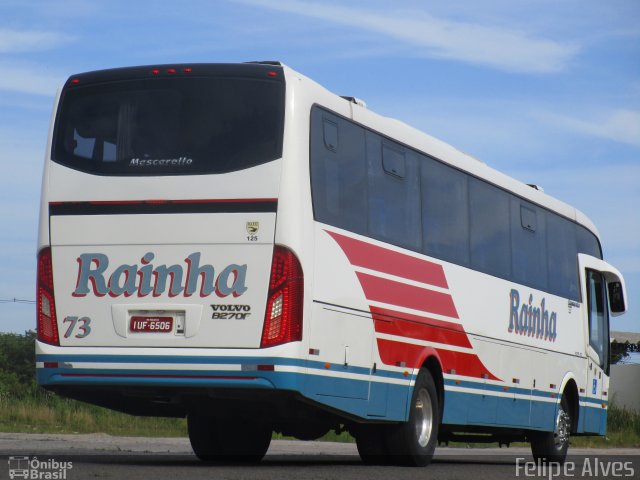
236	245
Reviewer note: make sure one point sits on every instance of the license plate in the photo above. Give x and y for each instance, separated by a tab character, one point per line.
151	324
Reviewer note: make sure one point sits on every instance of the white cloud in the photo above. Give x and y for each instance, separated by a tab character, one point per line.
493	46
29	79
18	41
617	125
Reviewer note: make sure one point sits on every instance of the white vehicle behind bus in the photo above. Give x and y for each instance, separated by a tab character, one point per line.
236	245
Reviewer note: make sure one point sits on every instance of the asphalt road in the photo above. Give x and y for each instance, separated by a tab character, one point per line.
105	457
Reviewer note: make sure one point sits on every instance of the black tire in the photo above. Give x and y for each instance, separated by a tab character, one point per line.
552	447
413	443
218	440
371	441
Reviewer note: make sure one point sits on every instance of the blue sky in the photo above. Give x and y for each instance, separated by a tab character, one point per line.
546	91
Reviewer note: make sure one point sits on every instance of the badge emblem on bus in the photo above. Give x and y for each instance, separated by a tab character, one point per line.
253	227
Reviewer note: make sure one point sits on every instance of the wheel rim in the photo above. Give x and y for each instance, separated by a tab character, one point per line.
423	418
562	430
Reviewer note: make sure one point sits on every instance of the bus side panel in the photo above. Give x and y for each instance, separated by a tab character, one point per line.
496	372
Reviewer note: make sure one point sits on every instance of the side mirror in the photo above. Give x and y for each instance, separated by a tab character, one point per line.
616	297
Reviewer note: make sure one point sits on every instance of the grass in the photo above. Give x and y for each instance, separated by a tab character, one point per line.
48	413
623	430
45	413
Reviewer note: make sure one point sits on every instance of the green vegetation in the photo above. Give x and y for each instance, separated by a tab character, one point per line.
25	407
48	413
623	430
17	365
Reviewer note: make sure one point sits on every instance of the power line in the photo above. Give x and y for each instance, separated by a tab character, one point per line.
17	300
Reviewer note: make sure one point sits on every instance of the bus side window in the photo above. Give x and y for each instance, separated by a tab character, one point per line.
445	212
528	244
338	172
393	160
587	242
489	229
562	257
330	129
528	218
394	196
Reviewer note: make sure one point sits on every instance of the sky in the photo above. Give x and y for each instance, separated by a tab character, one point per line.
547	92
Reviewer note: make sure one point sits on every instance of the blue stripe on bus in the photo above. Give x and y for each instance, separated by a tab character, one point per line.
463	408
480	387
388	401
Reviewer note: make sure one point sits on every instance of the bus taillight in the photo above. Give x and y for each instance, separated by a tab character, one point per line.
47	326
283	316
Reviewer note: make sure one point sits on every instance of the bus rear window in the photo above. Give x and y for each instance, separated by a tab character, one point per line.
170	126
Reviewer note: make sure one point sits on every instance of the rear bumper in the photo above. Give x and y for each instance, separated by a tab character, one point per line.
170	371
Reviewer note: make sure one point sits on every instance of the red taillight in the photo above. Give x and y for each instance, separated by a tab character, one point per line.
47	325
283	316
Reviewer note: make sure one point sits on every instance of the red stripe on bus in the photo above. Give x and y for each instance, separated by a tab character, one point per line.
464	364
428	333
366	255
395	293
409	355
391	315
399	353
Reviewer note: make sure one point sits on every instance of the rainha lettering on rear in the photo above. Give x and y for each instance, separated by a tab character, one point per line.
146	279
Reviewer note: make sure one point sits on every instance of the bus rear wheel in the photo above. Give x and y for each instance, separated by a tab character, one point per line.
548	447
414	442
228	441
371	441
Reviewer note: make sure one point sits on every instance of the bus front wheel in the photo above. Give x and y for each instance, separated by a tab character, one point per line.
552	446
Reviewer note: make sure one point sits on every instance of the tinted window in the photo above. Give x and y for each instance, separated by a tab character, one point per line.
445	212
489	228
562	257
394	196
598	317
587	242
338	172
393	160
528	244
330	134
528	217
170	126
